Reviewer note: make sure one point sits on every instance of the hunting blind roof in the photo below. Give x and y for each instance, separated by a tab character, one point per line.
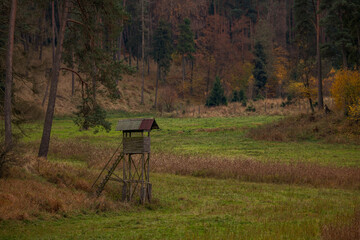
138	124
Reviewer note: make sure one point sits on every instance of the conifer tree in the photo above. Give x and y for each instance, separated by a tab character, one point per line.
259	72
342	27
186	45
216	97
162	50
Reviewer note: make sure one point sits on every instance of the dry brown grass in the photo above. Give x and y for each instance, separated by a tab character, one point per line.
42	188
263	107
255	171
343	228
241	169
333	128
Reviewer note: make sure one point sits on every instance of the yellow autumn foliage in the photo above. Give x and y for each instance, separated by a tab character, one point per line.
301	90
346	92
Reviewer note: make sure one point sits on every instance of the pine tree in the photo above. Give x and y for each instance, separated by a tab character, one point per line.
162	50
259	72
186	45
216	97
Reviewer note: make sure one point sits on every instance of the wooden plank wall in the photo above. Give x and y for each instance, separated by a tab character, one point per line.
136	145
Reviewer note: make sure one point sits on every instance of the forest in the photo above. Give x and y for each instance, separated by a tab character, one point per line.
257	93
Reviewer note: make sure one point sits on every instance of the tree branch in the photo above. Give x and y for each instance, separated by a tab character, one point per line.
77	22
73	71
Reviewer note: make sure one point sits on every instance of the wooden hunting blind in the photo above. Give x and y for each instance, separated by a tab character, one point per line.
135	156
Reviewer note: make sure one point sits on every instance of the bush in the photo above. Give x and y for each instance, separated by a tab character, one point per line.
88	117
216	97
346	92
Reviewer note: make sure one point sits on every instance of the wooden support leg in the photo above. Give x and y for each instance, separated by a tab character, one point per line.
130	179
148	184
125	185
142	188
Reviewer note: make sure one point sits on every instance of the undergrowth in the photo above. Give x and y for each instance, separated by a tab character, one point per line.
331	128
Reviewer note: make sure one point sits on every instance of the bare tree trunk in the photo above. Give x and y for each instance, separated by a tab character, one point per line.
53	49
142	51
94	84
149	43
53	28
121	34
358	38
41	35
9	76
157	85
208	80
72	76
191	77
183	75
307	86
343	51
45	140
318	56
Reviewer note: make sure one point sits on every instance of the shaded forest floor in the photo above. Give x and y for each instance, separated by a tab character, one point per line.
211	180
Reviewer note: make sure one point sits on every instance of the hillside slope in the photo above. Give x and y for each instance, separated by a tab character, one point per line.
31	79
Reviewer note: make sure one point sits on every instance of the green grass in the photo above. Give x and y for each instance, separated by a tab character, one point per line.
203	208
221	137
196	208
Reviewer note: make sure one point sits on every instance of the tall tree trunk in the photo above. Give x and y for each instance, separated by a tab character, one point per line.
121	34
41	35
311	105
358	39
53	23
72	76
318	56
208	80
45	140
343	51
94	84
9	76
191	77
149	40
183	74
307	86
142	51
157	85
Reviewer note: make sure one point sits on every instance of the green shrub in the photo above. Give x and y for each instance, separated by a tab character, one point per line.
216	97
88	117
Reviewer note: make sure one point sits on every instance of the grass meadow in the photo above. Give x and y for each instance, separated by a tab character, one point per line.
210	181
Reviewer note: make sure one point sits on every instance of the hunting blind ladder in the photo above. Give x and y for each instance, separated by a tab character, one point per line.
135	158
